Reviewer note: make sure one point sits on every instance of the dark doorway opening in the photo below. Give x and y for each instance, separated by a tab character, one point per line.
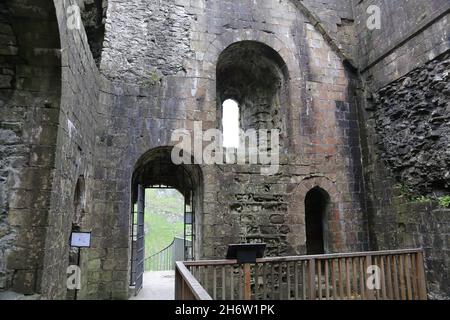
317	202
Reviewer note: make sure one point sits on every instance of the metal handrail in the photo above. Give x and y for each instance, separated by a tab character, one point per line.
155	254
164	261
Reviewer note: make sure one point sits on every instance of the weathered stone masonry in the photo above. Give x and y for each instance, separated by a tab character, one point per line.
401	65
86	114
412	118
47	113
318	117
30	91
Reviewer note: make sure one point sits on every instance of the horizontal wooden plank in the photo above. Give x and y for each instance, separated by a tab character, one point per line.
305	258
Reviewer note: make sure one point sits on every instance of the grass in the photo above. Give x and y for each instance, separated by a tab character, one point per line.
164	212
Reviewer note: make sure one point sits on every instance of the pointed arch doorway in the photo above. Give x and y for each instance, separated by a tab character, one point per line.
317	206
155	169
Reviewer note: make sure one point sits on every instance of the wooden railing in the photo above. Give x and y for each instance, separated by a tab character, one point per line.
186	286
386	275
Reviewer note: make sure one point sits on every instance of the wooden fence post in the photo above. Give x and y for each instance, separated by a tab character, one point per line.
247	285
421	276
312	279
370	294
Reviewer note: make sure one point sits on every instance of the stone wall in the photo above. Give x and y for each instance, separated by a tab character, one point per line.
411	118
337	19
404	80
146	39
426	225
412	33
408	120
75	154
63	122
29	99
240	205
48	112
93	15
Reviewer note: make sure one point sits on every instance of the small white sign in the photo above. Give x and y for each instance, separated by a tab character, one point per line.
80	239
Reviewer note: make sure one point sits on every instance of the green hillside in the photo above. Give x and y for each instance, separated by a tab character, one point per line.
164	212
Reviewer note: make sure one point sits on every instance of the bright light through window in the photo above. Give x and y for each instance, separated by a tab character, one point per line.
230	124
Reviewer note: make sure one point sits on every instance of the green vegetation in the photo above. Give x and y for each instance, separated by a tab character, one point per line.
444	201
423	199
151	81
407	193
164	212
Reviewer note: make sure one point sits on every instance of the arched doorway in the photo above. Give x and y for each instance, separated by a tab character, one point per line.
156	169
317	204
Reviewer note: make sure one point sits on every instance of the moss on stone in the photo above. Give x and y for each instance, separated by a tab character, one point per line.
152	80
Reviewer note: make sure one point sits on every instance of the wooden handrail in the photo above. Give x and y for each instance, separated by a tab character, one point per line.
200	263
186	286
401	276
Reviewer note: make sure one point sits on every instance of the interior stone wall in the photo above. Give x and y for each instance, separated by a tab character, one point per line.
410	160
48	110
240	204
9	140
29	99
337	18
93	16
426	225
64	120
255	76
403	70
75	155
412	33
411	119
146	39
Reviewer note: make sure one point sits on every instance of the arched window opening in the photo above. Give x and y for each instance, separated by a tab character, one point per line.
230	124
317	203
256	76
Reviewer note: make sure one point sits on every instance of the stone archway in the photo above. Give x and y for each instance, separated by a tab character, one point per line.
226	39
284	49
256	77
333	232
156	168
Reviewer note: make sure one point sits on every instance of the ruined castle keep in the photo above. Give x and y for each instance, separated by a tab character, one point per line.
88	107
